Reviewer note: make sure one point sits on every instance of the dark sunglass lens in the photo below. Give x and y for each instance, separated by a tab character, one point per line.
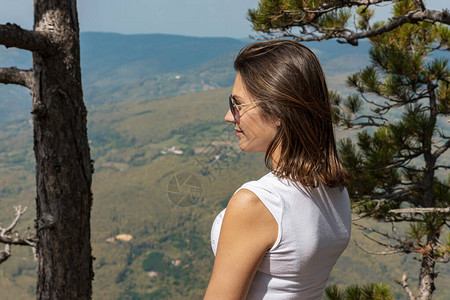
233	110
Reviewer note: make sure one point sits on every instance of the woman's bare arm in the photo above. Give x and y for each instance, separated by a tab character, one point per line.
248	231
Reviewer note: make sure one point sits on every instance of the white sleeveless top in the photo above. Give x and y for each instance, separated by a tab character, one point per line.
313	231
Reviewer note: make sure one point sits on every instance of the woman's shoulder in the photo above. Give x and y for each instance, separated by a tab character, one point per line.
243	199
267	182
246	208
275	192
267	192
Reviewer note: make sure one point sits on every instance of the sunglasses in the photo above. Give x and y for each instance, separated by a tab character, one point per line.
235	108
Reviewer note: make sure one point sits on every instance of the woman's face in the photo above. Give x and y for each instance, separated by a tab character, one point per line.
254	132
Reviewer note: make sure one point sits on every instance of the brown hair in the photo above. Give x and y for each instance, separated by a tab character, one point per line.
288	80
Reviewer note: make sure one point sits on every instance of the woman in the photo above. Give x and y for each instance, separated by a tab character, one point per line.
281	235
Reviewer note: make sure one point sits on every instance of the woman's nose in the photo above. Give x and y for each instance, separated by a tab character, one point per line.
229	117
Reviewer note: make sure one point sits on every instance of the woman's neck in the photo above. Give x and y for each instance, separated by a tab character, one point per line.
276	157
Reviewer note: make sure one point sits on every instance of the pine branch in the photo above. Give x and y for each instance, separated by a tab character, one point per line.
361	125
443	112
5	236
398	219
377	207
393	195
443	260
19	213
401	102
277	34
5	254
12	35
380	233
327	7
443	184
441	167
384	109
420	210
419	4
16	240
397	164
377	253
371	121
408	157
411	170
378	242
404	284
429	16
441	134
17	76
441	149
345	35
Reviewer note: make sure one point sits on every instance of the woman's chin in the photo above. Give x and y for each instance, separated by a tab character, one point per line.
243	148
246	148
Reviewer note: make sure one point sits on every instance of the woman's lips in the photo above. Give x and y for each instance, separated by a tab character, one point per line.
238	133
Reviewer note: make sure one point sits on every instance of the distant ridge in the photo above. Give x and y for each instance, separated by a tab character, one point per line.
111	61
121	67
148	54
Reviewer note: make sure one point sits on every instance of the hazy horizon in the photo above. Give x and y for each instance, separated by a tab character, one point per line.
196	18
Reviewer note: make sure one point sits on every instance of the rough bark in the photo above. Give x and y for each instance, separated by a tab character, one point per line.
63	165
404	284
427	275
16	76
11	35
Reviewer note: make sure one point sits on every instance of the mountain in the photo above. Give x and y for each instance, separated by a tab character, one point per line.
120	68
130	66
110	62
136	56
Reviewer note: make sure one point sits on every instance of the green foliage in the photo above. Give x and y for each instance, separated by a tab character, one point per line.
402	7
364	14
283	14
369	163
403	76
336	19
370	291
336	101
353	104
416	231
406	90
262	19
367	80
333	292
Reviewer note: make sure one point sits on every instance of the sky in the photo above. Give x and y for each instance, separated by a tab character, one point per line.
212	18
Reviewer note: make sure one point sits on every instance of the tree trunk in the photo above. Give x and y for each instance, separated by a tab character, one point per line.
427	274
63	164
